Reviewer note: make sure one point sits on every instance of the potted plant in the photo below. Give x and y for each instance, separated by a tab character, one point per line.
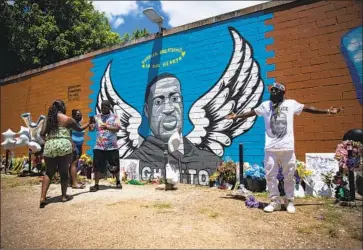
227	173
213	178
255	178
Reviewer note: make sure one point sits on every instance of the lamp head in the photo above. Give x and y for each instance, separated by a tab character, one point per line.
154	16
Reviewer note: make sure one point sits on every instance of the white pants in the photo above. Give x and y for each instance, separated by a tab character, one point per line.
287	160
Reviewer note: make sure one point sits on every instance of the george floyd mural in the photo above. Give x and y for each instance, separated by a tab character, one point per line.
170	103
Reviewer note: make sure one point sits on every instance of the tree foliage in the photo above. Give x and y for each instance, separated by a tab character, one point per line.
35	33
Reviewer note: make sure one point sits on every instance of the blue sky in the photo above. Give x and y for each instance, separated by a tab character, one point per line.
126	16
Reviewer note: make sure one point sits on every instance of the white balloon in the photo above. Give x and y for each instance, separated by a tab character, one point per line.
23	131
9	134
174	142
34	147
8	143
22	140
39	139
172	174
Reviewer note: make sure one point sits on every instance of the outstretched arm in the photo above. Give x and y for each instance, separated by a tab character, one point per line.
243	115
331	110
72	124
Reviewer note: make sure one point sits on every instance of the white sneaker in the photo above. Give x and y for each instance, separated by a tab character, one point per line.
290	208
273	206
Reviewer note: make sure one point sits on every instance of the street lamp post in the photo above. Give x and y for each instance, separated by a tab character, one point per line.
155	18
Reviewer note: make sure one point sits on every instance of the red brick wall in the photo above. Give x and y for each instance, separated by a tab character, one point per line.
37	93
309	61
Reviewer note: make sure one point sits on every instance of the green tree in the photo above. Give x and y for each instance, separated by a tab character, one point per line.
36	33
136	34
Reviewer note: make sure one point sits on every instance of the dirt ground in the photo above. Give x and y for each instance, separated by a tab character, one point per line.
190	217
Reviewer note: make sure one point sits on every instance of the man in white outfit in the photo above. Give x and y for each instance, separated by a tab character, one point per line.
278	114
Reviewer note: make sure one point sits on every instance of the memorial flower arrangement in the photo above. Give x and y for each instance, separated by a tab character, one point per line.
341	155
328	178
85	160
227	171
301	172
255	172
214	176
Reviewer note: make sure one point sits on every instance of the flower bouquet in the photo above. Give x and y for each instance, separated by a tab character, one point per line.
301	175
85	165
255	177
227	173
349	155
349	162
213	179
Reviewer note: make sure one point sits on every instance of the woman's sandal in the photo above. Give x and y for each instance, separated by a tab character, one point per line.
42	204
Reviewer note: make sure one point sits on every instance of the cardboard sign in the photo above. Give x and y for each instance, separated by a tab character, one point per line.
320	163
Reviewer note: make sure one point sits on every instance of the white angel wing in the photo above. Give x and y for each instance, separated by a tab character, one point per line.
128	138
238	90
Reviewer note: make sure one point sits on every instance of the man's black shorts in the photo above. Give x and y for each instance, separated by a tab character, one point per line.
101	157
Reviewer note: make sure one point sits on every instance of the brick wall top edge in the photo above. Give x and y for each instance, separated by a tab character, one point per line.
178	29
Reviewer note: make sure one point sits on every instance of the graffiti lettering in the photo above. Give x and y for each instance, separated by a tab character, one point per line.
194	176
167	63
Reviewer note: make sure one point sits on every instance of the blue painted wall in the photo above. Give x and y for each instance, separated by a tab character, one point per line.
207	53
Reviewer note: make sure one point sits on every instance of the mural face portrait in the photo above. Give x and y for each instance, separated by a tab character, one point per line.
164	108
278	123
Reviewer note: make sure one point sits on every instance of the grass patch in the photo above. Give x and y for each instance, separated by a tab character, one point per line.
260	195
19	181
209	212
162	205
213	215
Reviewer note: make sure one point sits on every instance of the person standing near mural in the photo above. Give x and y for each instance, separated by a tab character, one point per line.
78	139
278	114
106	150
58	147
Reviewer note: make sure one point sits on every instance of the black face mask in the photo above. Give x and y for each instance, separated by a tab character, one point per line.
105	110
276	96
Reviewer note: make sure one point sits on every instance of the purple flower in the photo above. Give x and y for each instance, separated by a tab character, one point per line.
251	202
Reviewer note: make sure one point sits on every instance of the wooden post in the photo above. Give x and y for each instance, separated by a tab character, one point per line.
241	163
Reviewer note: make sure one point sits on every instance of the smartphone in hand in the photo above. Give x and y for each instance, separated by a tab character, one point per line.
92	119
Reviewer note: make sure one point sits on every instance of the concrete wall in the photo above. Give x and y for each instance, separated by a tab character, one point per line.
314	48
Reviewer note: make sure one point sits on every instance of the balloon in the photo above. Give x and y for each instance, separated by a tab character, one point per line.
34	147
8	134
23	131
174	142
22	140
8	143
34	130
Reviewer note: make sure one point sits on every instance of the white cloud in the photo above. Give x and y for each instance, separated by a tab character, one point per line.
115	9
183	12
118	22
10	2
